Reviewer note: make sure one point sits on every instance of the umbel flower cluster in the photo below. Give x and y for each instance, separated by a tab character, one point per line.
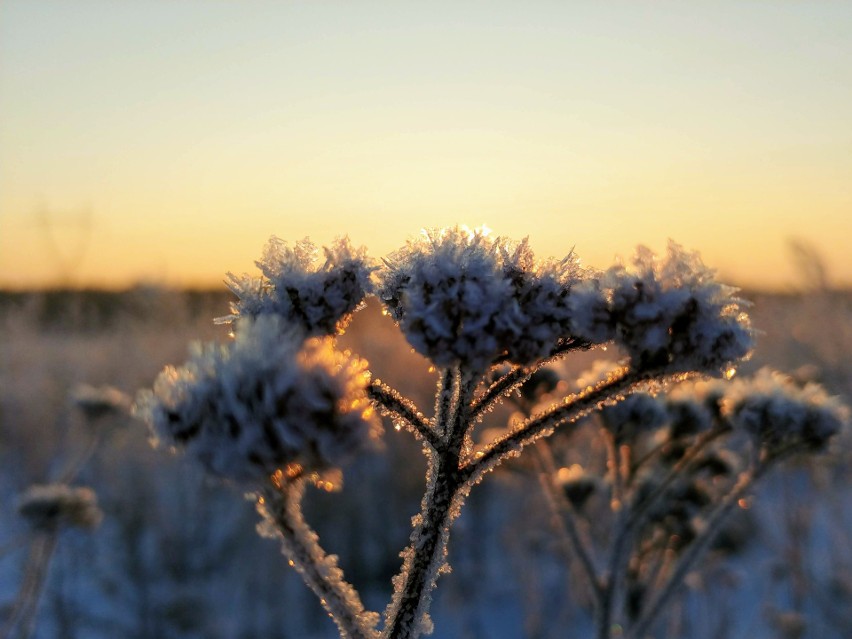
263	403
280	405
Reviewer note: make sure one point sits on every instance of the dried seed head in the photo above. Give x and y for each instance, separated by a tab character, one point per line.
319	297
265	402
463	297
781	415
48	507
100	401
665	313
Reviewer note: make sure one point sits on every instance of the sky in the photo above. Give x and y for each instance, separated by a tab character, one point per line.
164	142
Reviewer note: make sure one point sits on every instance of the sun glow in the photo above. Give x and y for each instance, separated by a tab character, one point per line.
600	129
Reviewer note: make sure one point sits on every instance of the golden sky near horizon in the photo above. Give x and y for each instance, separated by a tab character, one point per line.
165	142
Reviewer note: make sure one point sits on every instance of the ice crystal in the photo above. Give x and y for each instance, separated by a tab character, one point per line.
317	296
264	402
462	297
665	313
49	506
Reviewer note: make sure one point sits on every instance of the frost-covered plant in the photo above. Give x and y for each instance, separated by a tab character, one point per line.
677	467
295	286
279	407
48	509
98	402
263	403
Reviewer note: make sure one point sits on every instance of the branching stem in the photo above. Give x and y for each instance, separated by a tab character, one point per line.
423	559
627	521
571	410
565	517
518	375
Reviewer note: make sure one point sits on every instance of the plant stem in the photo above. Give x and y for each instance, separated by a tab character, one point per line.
638	512
571	410
628	520
23	614
565	517
425	556
518	375
319	570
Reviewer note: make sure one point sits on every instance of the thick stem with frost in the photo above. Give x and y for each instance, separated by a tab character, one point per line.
282	509
426	555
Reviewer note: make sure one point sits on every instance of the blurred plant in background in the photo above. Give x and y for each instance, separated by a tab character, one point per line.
49	509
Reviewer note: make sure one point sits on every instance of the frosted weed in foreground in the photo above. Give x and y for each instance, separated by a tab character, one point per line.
279	407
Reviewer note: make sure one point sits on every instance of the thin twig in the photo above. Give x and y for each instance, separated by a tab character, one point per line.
570	410
627	521
394	404
518	375
638	513
617	568
564	516
23	613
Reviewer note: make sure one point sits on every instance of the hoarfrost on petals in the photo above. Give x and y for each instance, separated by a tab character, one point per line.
463	297
319	296
263	403
666	312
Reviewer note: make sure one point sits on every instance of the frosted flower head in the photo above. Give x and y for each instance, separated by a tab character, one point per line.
540	292
462	297
635	414
665	313
319	296
47	507
265	402
688	418
694	407
577	484
780	414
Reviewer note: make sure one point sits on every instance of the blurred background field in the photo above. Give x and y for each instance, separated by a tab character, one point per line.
177	555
